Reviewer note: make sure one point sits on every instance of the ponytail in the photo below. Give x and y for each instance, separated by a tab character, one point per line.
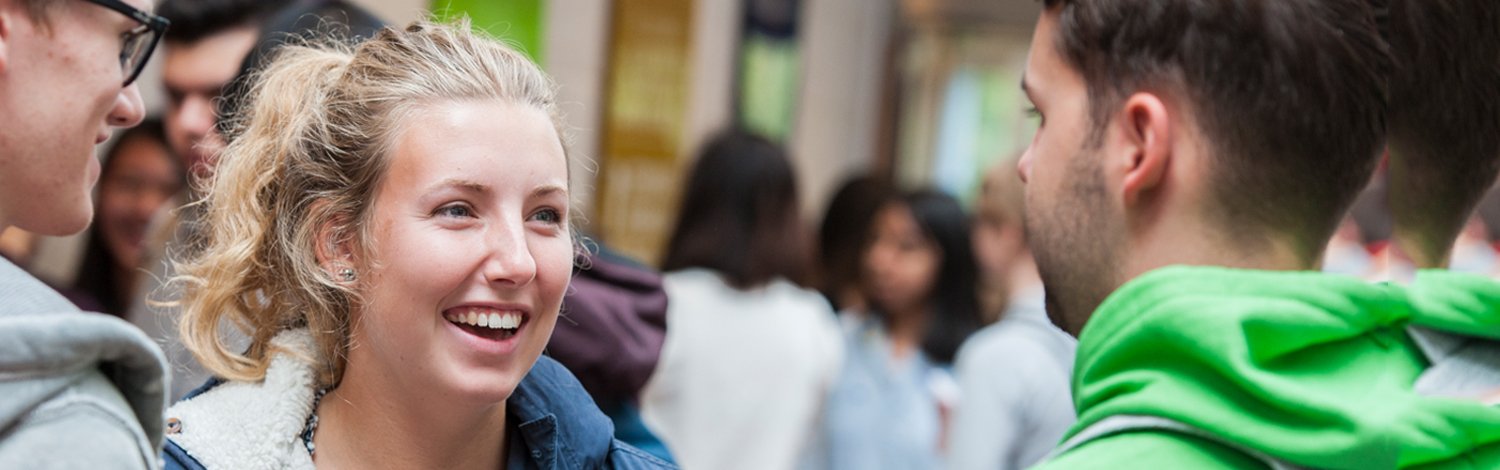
247	222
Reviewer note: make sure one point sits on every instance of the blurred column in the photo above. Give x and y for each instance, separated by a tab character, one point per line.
844	46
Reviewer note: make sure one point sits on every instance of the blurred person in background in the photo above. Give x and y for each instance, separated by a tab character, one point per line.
842	239
1474	250
610	335
890	405
750	354
1485	232
1192	161
200	57
1360	247
17	246
77	390
411	273
1013	375
138	177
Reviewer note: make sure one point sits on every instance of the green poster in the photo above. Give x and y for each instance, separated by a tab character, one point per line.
518	22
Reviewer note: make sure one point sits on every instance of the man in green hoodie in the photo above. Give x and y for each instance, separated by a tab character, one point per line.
1444	145
1193	159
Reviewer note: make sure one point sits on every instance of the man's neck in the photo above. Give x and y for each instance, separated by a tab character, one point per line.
1203	248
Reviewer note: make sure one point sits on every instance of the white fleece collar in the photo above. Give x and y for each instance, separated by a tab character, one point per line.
253	425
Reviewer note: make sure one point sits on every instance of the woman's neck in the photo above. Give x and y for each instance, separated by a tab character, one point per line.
905	331
364	425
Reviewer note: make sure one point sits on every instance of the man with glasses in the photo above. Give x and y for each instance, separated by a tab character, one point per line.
77	390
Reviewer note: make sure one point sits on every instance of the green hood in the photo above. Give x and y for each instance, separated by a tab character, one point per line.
1456	303
1310	368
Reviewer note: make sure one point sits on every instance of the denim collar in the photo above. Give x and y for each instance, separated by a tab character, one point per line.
558	424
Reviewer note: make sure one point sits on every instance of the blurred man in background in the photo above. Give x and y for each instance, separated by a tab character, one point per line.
208	41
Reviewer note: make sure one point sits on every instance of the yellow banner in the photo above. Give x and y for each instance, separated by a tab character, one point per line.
648	90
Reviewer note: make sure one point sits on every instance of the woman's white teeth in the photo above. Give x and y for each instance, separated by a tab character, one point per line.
495	320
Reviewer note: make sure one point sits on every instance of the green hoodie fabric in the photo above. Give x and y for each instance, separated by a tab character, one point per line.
1312	369
1456	302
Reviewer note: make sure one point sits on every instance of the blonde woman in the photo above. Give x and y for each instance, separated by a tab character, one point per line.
389	225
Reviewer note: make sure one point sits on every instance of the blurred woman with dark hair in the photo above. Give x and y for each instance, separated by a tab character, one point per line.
138	177
843	237
893	395
738	317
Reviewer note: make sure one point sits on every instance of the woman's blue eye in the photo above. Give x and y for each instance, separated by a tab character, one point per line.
455	210
550	216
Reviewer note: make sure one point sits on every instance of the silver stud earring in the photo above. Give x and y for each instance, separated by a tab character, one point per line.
347	274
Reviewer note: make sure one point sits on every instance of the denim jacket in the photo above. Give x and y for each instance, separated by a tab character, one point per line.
258	425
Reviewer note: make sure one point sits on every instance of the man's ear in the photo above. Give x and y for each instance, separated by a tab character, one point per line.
1148	129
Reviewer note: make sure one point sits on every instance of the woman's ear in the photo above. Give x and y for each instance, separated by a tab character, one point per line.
332	244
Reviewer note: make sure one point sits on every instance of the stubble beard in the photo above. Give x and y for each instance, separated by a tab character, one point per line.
1074	245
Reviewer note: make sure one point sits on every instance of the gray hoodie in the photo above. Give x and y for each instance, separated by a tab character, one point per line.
77	390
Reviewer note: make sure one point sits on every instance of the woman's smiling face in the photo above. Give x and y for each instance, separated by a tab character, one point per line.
470	252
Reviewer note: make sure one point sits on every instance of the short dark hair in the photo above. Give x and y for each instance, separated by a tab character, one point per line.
325	20
193	20
739	214
1290	94
955	294
1444	131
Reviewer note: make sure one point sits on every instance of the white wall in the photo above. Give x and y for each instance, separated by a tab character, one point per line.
576	34
843	48
395	11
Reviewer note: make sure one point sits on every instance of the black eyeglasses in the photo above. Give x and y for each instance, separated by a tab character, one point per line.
139	41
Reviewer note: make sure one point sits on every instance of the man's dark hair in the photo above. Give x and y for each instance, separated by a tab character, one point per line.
193	20
739	214
1289	94
324	20
1444	131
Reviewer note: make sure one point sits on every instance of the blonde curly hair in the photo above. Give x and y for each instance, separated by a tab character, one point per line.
303	162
